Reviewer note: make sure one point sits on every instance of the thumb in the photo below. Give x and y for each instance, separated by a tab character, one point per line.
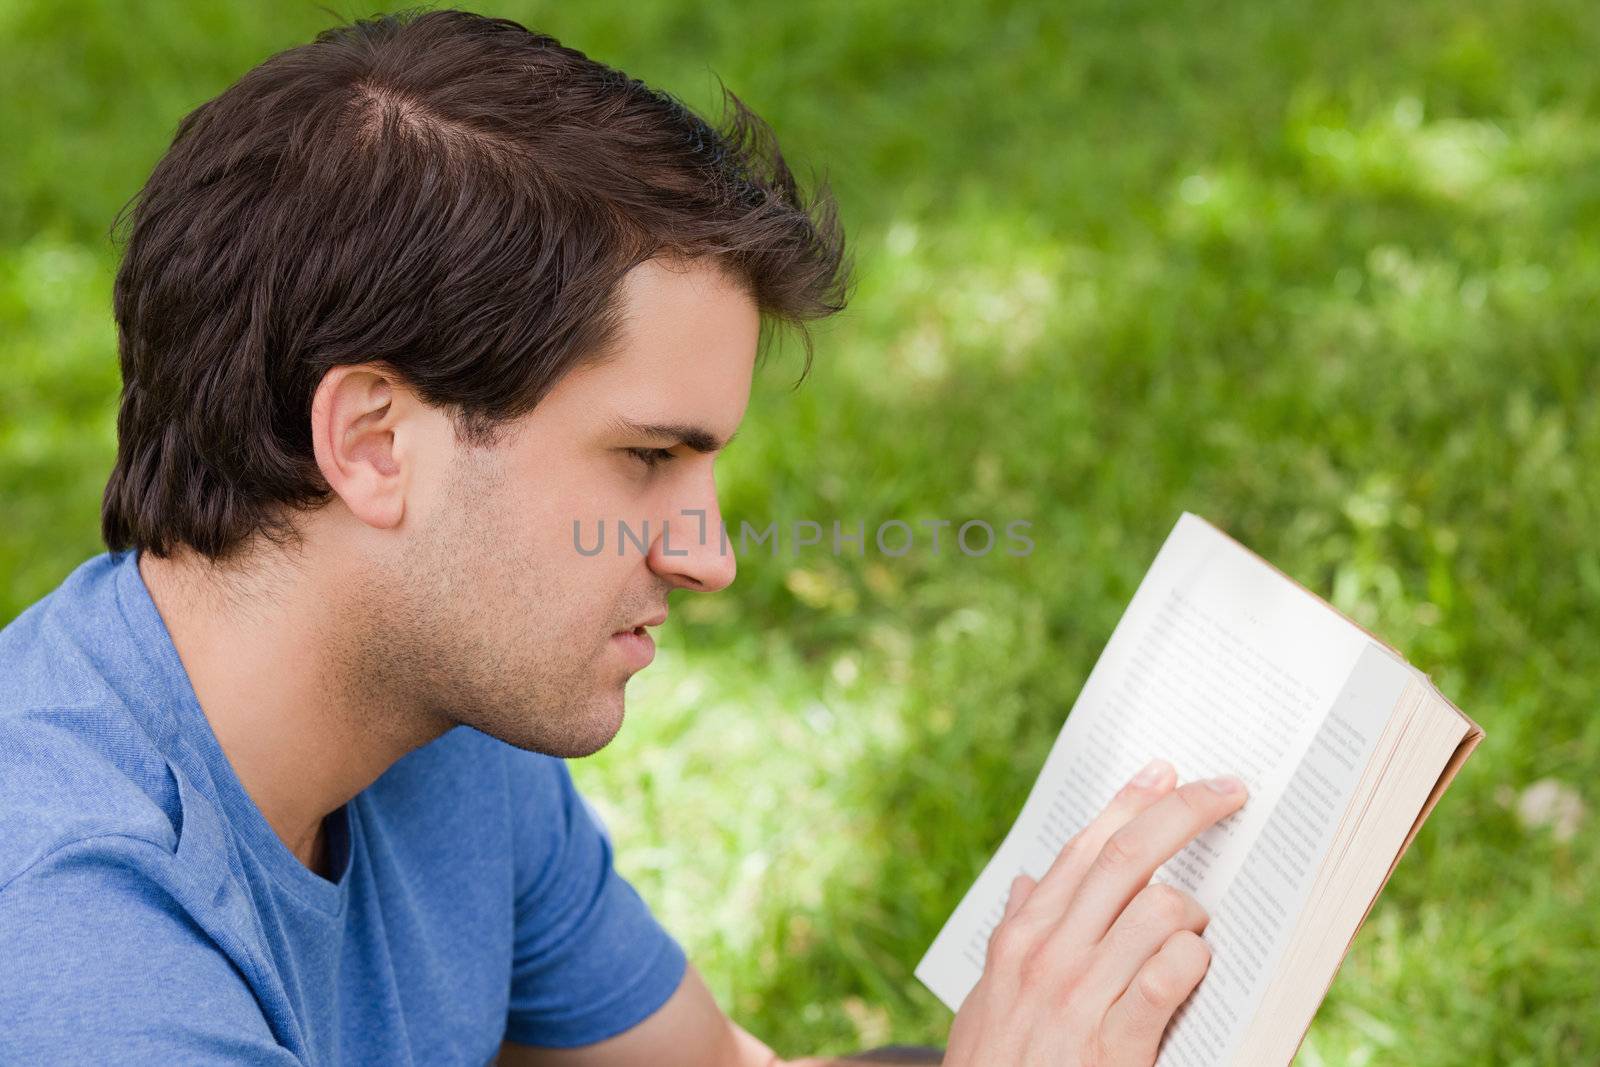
1021	888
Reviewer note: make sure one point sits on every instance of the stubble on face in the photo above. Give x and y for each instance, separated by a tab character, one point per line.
475	625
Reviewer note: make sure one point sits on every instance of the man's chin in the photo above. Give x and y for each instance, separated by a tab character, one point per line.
579	732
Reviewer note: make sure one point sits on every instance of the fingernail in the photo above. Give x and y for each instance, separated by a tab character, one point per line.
1226	785
1152	773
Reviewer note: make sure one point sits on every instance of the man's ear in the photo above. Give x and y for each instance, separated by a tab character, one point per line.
359	431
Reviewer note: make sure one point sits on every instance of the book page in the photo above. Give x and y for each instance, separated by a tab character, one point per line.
1221	665
1251	927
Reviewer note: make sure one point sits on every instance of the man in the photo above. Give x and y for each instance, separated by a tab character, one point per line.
280	774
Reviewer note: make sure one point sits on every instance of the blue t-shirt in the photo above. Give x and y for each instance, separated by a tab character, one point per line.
149	913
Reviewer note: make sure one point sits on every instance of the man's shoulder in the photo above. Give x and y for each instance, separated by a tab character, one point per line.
74	774
75	762
55	652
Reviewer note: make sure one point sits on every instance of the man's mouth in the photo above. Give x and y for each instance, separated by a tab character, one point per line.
636	646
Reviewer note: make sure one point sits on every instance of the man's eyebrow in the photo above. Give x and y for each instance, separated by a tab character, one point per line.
697	438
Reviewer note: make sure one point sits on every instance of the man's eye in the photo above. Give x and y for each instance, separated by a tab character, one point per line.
650	457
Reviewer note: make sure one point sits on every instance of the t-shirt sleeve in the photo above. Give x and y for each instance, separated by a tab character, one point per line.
590	960
99	965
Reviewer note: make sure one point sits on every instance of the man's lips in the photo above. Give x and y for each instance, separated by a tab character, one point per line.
635	644
636	647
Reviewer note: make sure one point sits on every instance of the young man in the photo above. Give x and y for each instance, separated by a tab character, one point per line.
280	774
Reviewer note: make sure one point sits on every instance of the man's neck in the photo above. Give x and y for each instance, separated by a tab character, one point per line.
277	671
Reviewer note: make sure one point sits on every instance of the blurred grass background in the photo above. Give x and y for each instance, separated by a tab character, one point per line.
1325	273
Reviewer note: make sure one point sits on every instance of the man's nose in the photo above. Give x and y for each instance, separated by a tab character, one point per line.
694	551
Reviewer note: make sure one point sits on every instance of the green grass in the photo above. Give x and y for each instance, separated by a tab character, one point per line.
1325	273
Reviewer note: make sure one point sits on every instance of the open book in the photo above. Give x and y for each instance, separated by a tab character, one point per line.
1223	665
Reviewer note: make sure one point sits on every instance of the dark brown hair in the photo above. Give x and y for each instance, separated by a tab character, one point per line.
451	195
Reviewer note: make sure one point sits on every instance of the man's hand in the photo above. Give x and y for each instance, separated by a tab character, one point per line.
1087	966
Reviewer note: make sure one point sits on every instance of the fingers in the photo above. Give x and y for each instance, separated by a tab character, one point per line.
1061	881
1138	1019
1156	913
1021	887
1132	853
